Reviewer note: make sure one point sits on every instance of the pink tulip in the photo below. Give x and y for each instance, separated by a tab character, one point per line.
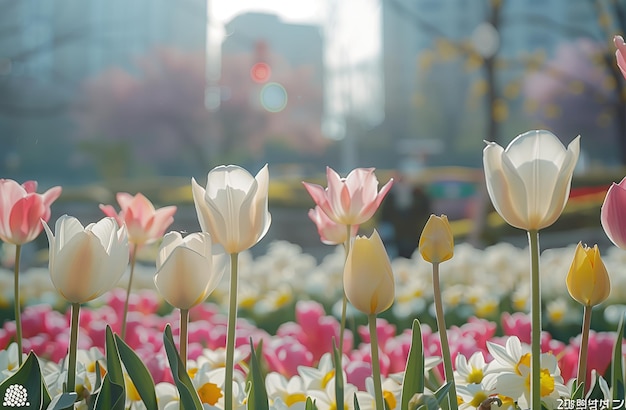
612	215
352	200
145	224
620	53
22	209
331	233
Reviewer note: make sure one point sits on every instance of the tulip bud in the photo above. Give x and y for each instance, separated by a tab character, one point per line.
587	280
437	242
368	278
188	269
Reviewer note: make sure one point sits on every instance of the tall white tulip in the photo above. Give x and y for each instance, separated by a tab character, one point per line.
188	269
529	184
233	208
529	181
86	262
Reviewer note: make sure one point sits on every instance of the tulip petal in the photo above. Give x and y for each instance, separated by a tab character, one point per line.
170	241
612	217
25	219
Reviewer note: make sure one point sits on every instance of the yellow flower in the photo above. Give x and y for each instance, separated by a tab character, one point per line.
587	280
437	243
368	278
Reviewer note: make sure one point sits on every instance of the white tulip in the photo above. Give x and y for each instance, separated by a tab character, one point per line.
188	269
529	182
86	262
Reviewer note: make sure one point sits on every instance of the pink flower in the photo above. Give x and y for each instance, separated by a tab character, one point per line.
612	215
351	200
620	53
331	233
145	224
22	210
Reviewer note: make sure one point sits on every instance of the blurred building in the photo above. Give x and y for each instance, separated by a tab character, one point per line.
47	51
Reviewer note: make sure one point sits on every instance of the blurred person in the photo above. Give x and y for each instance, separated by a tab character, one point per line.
404	213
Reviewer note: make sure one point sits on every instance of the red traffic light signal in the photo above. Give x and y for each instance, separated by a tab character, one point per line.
260	72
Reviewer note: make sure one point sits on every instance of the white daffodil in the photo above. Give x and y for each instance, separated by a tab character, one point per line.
9	361
510	373
470	371
285	393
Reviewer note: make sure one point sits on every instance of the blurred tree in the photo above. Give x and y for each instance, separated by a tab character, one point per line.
157	110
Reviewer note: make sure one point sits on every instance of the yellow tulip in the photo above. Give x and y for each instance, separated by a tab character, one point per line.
437	242
587	280
368	278
529	181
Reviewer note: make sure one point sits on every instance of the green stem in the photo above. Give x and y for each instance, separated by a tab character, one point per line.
378	389
133	259
230	335
71	363
535	310
16	302
344	305
584	347
184	320
443	336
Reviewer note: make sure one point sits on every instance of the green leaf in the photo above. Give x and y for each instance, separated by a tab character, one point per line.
257	398
577	393
62	401
28	379
617	373
138	373
356	403
189	399
310	404
91	400
442	392
337	356
413	382
112	394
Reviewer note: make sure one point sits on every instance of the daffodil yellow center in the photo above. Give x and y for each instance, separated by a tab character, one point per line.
546	382
209	393
390	399
327	378
475	376
294	398
479	397
192	372
523	361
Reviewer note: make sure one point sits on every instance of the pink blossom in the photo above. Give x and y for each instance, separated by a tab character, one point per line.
352	200
145	224
22	209
612	215
331	233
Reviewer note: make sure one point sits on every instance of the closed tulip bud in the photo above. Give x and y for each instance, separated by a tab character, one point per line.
437	242
86	262
188	269
613	214
529	181
352	200
234	206
587	280
368	278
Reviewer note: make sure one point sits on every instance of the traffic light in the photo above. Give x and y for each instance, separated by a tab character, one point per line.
260	72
